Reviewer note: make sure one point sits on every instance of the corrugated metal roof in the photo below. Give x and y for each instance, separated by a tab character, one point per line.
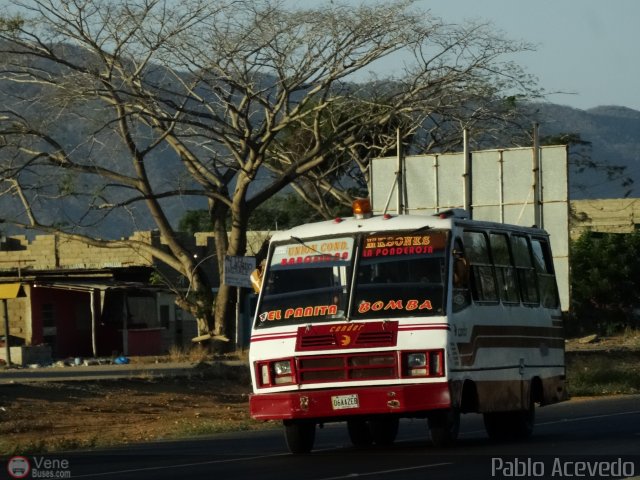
87	286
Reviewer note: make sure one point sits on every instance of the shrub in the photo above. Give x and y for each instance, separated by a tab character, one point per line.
605	283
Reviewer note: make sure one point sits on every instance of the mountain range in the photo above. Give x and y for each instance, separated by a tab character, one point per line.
610	135
613	134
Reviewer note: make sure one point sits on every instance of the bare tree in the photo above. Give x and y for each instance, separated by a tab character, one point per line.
127	105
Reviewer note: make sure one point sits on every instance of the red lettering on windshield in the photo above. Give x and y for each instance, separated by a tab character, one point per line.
408	305
315	258
392	245
299	312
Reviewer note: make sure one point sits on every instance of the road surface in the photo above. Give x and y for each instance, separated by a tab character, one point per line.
595	438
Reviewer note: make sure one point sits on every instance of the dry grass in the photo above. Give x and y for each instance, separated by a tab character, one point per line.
49	417
194	354
603	373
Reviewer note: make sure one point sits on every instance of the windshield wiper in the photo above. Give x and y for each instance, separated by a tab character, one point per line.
420	229
304	244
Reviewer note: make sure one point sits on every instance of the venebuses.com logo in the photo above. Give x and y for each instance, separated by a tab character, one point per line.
18	467
38	467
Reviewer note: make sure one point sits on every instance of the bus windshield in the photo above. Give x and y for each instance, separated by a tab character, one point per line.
307	281
401	275
396	275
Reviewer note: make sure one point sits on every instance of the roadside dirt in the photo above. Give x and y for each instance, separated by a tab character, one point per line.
54	416
630	341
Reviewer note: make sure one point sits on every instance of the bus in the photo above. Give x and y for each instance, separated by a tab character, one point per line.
373	318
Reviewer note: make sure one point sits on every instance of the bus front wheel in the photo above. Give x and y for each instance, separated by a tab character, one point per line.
384	430
300	435
444	427
359	433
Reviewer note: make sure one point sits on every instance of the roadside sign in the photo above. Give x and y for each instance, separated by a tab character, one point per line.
237	271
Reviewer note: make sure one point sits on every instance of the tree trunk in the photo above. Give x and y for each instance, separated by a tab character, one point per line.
224	314
222	327
234	244
202	311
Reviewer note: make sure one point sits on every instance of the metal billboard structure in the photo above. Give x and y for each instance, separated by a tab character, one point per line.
522	186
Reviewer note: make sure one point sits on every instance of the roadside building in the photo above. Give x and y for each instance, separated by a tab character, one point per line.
85	301
80	300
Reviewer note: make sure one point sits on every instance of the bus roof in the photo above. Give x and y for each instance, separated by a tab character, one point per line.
380	223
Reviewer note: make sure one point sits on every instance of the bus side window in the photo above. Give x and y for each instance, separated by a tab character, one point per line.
505	270
527	278
544	269
483	281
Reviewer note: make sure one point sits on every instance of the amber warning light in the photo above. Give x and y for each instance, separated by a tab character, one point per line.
361	208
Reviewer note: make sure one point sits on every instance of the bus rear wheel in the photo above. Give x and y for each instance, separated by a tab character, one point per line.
524	422
300	435
516	425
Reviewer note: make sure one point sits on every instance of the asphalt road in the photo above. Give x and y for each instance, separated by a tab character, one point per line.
597	438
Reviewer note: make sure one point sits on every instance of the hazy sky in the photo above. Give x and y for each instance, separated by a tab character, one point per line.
588	47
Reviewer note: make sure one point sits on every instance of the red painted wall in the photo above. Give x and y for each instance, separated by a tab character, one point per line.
72	316
71	311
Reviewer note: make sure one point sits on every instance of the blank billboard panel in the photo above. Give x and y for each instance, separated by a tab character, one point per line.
450	181
502	190
421	183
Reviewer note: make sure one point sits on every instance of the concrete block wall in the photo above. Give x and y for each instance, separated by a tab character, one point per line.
75	254
616	215
255	239
40	354
45	252
18	309
52	252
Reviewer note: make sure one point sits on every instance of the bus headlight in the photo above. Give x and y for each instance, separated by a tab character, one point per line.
416	360
283	373
423	364
416	364
282	368
278	372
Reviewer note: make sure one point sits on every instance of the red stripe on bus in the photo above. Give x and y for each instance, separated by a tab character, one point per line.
442	326
274	336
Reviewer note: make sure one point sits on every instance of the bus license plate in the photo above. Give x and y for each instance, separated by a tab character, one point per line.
340	402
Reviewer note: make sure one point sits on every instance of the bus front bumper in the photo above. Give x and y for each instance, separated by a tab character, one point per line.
346	402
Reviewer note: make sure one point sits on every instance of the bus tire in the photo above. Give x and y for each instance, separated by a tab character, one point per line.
359	433
444	427
300	435
524	422
516	425
497	425
384	431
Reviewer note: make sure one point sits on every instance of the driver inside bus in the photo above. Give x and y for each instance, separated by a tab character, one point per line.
460	266
461	276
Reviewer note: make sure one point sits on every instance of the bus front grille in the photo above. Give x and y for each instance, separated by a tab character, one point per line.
376	338
314	341
347	335
336	368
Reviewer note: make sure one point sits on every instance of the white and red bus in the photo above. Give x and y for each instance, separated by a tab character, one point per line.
370	319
